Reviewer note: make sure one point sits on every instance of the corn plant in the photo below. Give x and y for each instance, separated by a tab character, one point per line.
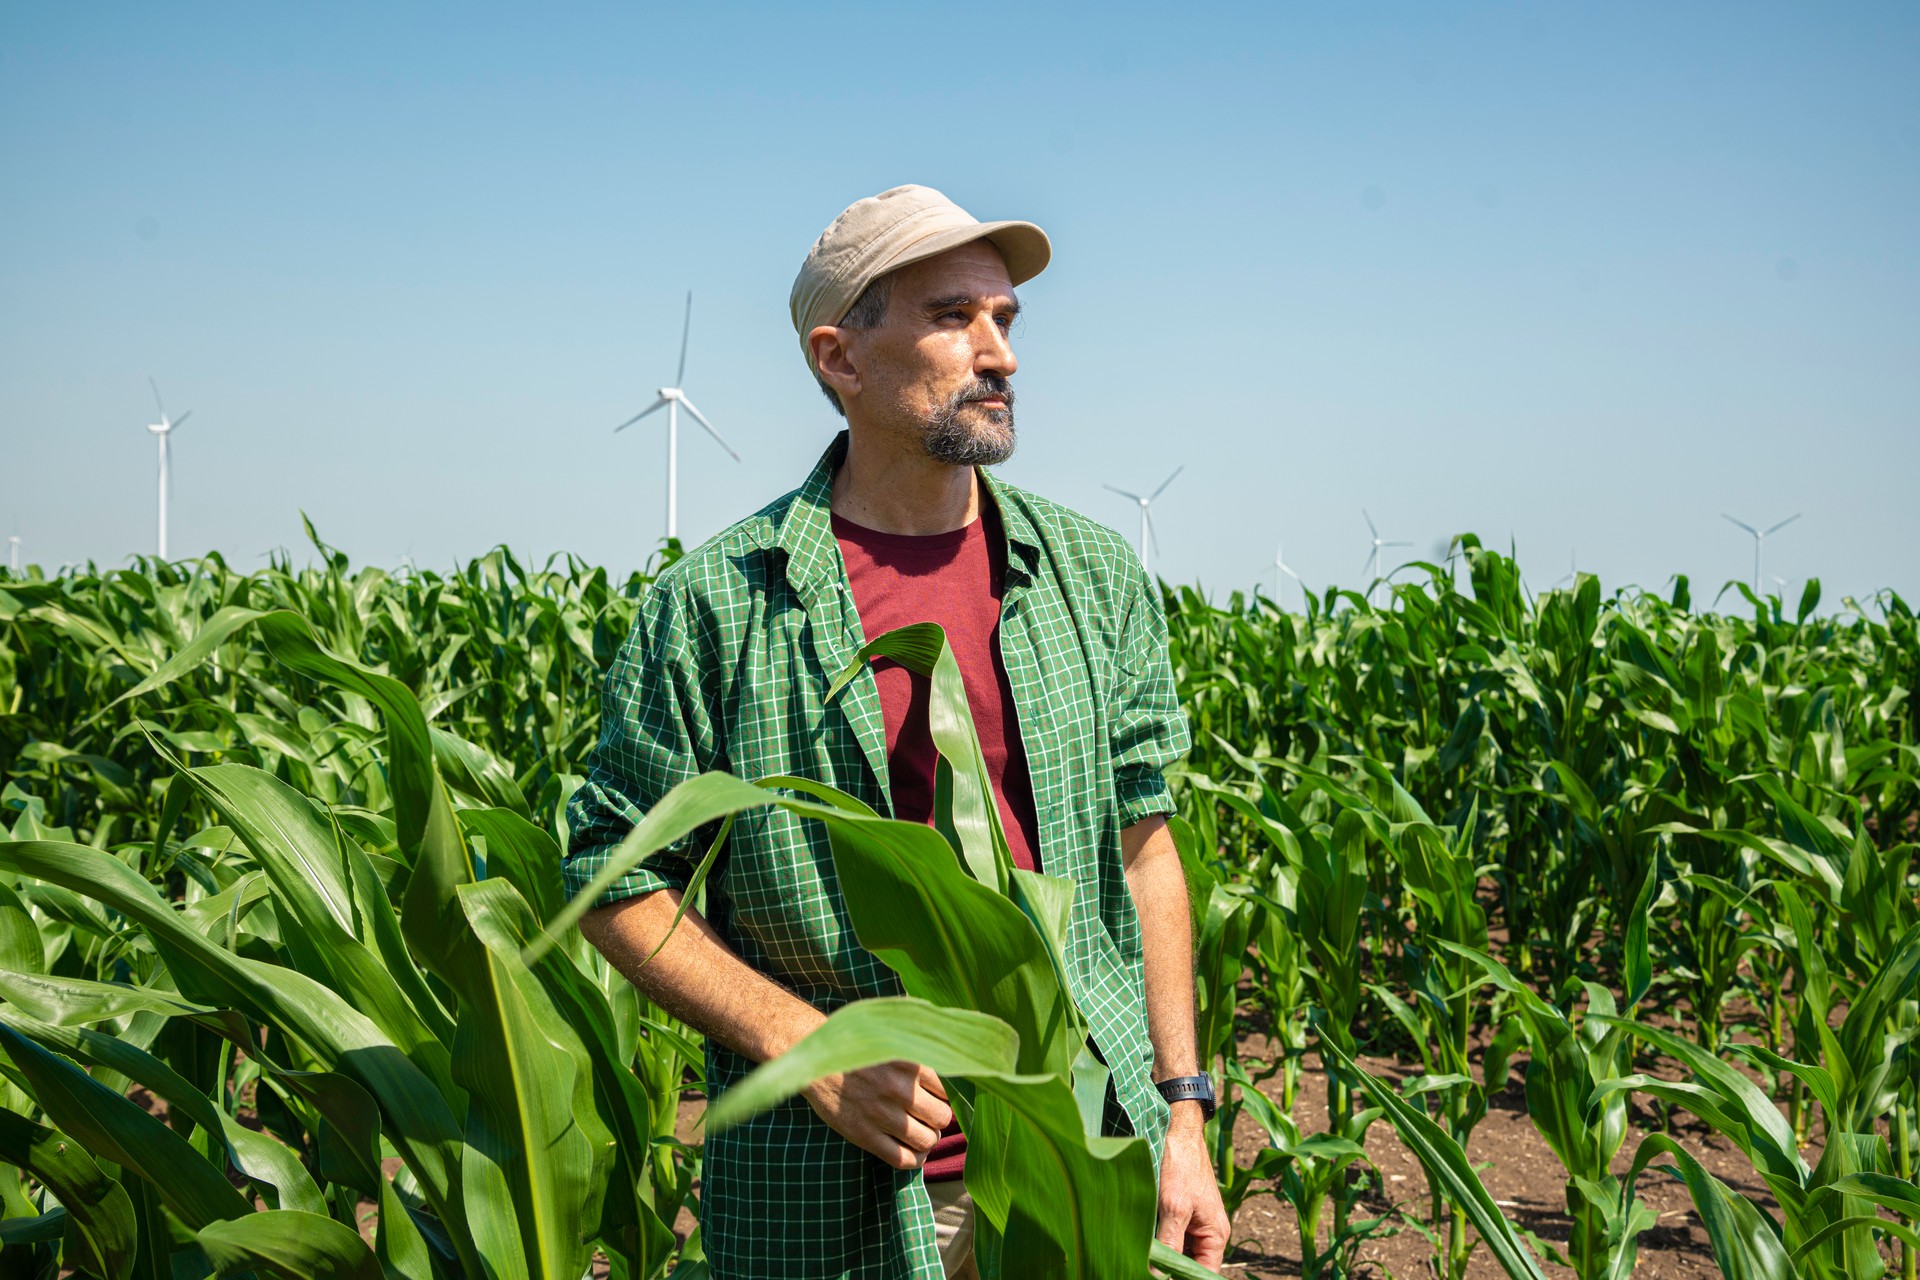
1827	1224
1440	874
1304	1171
1447	1166
1567	1071
1327	872
373	1025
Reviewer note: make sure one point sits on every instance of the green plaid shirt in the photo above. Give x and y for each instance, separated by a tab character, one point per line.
727	668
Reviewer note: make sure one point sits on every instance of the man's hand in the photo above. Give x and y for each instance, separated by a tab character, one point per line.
895	1110
1192	1217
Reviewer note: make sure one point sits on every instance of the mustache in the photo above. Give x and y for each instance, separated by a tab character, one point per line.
982	388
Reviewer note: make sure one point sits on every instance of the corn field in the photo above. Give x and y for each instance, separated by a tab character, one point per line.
288	985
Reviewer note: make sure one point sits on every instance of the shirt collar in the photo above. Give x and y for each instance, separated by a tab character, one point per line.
1022	537
805	530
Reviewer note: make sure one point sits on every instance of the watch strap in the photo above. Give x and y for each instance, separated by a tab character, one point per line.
1189	1089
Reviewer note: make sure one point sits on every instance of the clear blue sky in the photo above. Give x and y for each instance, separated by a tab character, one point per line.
1578	275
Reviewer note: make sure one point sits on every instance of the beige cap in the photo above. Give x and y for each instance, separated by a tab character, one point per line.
882	233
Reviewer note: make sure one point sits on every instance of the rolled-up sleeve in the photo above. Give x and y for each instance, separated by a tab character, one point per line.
1149	728
654	734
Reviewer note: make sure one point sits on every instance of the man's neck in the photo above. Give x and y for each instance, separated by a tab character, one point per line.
891	485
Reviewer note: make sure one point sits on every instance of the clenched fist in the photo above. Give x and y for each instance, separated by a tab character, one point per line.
896	1110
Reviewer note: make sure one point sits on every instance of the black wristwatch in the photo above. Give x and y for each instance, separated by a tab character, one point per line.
1189	1089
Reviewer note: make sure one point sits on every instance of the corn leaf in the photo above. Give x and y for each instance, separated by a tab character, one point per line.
1746	1244
419	1122
290	1244
108	1125
866	1033
530	1087
1448	1166
256	1155
95	1204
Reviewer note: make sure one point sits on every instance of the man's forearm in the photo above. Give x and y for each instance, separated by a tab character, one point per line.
895	1110
1159	889
697	978
1193	1219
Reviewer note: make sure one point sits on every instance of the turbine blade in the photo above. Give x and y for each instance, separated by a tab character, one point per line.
1396	544
158	403
1169	480
1370	525
1122	492
1742	523
657	404
1153	533
1783	524
177	421
686	327
701	418
1290	573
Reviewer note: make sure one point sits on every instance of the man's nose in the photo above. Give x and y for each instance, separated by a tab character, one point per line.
992	353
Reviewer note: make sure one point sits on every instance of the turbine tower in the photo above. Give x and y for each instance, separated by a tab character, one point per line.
1759	537
672	399
1147	532
163	429
1281	566
1371	570
13	553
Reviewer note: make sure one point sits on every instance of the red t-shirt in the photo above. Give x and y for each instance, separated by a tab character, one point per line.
955	579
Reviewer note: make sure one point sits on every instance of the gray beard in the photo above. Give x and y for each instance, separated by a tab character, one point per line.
974	444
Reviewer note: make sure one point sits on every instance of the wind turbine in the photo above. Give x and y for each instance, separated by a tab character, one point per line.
1573	571
163	429
672	398
1371	570
1146	521
1281	566
1759	536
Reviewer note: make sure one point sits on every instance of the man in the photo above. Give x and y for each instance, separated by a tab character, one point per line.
903	309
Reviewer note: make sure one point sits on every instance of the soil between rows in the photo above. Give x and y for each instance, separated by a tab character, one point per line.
1516	1165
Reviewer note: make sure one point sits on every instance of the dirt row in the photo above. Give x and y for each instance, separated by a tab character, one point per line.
1518	1168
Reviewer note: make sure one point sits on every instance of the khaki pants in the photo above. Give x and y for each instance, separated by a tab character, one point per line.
953	1228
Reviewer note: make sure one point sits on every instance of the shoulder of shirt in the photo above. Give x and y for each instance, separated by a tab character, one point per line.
1076	538
716	564
1077	541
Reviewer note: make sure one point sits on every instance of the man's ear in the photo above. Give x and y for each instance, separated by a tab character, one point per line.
834	360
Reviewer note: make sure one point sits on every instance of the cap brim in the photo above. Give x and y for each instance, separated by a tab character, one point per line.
1023	247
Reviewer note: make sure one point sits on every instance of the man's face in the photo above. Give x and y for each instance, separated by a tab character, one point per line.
938	364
